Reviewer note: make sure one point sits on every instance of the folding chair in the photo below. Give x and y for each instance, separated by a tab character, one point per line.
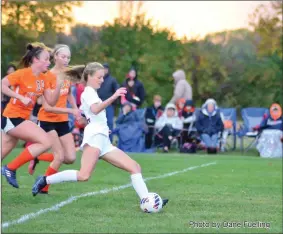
230	114
252	117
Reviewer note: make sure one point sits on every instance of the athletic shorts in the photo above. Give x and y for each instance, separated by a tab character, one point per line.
62	128
99	141
8	124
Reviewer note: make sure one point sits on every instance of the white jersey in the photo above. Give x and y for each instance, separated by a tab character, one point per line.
97	124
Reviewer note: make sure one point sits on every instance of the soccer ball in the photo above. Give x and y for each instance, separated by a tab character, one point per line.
152	203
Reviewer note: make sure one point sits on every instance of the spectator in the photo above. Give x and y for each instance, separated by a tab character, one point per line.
169	125
71	117
127	116
135	88
271	138
11	68
209	124
182	88
107	89
180	104
151	115
5	99
189	118
130	130
80	88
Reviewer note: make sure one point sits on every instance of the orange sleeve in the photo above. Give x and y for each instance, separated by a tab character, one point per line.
15	77
50	81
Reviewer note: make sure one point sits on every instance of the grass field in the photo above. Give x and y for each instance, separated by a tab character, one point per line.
234	189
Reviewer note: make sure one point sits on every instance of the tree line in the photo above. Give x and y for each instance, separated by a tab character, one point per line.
238	68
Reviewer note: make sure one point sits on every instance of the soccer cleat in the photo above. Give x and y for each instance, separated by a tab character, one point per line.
32	165
10	176
39	184
164	202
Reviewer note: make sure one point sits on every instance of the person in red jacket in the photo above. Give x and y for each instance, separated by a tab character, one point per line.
80	88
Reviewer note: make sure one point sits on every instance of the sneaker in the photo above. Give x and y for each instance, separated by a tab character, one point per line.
39	184
32	165
164	202
10	176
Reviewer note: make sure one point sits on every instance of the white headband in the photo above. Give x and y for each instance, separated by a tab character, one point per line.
63	47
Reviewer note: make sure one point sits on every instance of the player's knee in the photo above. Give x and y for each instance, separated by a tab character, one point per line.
59	157
46	143
135	168
70	159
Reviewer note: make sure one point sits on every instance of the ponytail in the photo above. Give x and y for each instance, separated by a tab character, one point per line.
33	51
80	73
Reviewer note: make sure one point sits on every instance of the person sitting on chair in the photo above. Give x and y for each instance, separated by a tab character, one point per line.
209	124
128	115
151	115
169	125
180	104
271	137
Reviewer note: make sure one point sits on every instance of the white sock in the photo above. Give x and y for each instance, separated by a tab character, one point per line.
63	176
139	185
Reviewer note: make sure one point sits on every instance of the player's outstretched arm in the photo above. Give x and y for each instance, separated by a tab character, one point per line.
96	108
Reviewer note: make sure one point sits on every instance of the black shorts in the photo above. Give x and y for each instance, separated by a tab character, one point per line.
62	128
8	124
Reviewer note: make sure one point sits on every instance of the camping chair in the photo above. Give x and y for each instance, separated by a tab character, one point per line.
252	117
230	114
176	141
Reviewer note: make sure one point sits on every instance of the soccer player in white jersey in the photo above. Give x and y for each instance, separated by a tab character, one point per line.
96	143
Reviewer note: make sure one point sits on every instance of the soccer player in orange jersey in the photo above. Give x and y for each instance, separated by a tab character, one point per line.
54	120
29	83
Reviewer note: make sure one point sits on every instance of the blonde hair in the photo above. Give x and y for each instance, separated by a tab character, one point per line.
33	51
57	49
80	73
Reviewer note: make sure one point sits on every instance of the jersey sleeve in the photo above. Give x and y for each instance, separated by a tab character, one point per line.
90	96
49	82
15	78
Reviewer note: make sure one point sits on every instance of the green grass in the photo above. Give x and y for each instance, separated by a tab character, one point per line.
236	189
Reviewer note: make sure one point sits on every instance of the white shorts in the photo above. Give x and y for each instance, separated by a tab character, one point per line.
99	141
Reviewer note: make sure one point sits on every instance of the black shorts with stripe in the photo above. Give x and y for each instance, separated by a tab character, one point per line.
62	128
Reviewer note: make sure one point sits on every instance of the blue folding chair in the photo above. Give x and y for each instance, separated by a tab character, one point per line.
252	117
231	114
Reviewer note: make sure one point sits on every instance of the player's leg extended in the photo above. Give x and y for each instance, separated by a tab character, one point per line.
58	153
89	159
121	160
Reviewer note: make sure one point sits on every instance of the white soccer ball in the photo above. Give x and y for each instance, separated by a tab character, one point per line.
152	203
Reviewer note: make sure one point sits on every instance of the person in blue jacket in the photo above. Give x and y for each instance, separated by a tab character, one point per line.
209	124
107	89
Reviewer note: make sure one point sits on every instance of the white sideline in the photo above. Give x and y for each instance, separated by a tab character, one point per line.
57	206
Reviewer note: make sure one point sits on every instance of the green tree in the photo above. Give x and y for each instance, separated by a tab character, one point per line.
25	21
39	16
266	22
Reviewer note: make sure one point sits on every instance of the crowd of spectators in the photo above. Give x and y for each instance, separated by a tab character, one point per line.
179	123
